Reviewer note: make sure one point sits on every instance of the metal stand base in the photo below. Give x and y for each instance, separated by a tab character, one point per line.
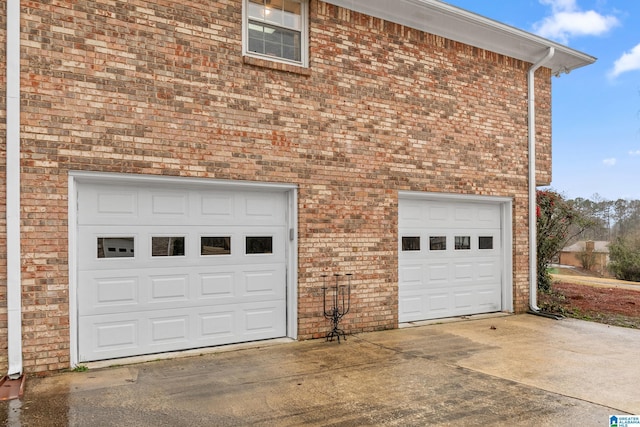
341	304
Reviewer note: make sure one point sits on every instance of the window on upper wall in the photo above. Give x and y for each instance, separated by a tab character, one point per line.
277	30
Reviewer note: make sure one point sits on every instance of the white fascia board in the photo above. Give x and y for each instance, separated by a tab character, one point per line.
444	20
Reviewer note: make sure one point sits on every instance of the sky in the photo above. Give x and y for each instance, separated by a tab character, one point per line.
595	109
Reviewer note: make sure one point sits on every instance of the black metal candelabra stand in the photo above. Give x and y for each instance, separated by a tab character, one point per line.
340	300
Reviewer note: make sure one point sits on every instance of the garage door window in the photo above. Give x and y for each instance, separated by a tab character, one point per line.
485	242
259	245
215	245
115	247
438	243
462	243
167	246
410	243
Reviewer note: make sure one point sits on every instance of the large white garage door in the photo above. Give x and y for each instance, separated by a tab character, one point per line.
164	268
449	259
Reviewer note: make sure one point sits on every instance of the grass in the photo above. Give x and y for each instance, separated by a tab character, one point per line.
588	307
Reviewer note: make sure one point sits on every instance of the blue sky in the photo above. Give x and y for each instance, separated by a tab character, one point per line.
596	109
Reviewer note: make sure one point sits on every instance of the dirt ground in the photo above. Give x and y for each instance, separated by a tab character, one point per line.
603	301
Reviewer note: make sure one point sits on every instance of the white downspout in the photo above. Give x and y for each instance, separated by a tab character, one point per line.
14	291
533	265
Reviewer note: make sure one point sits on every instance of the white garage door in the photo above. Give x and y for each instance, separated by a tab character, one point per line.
164	268
449	259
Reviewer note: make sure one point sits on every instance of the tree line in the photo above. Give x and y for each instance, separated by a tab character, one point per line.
561	222
610	219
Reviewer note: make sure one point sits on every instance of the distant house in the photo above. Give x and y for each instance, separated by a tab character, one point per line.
591	255
181	175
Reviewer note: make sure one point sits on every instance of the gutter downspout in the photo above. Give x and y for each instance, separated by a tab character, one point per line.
533	265
14	280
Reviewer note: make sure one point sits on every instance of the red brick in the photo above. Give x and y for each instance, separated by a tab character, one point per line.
124	87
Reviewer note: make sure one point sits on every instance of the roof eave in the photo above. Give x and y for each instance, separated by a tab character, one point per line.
442	19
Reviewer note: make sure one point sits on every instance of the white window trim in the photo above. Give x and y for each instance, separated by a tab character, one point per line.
304	39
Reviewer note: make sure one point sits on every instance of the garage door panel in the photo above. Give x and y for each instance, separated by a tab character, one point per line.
489	298
437	214
462	272
217	207
216	285
438	302
216	325
411	307
463	299
411	274
166	330
487	271
438	273
262	319
489	217
107	204
116	291
104	204
169	288
260	209
111	335
163	269
463	215
261	282
168	204
98	293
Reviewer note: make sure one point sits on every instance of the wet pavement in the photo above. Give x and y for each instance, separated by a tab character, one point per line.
511	370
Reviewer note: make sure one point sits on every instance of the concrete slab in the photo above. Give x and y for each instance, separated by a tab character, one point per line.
515	370
585	360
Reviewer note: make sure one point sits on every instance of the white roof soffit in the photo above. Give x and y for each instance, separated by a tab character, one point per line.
442	19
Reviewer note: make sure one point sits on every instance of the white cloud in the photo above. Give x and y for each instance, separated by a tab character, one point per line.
560	5
609	162
634	153
567	20
629	61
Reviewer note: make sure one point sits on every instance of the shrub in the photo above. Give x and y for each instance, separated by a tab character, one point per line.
625	259
555	216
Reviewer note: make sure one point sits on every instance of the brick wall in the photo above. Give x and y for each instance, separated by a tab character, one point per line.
161	88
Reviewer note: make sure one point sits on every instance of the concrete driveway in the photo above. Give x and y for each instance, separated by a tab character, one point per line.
510	370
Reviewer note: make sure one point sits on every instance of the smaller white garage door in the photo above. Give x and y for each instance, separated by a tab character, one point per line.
163	268
450	259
